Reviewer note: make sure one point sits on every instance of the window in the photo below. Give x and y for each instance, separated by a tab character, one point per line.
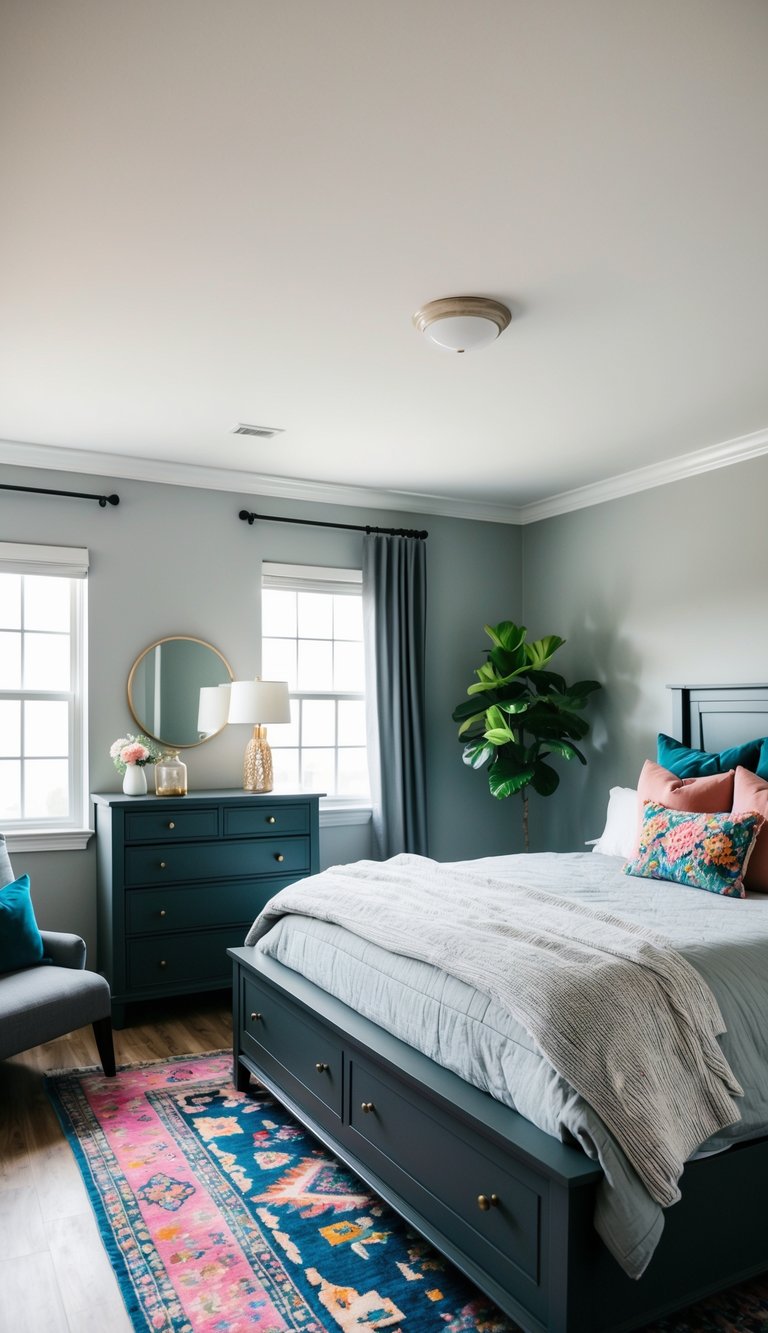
42	712
312	636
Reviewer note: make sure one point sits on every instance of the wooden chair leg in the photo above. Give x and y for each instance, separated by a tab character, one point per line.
102	1031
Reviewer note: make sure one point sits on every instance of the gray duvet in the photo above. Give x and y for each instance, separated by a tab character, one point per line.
463	1029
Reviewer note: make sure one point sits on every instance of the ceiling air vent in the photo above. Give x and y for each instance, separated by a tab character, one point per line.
261	432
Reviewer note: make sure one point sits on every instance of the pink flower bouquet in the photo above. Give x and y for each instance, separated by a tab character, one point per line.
128	750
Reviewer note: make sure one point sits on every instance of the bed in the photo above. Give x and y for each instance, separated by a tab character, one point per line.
507	1202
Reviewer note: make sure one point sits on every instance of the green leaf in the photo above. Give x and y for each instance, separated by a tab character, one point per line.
476	720
569	702
486	672
506	663
494	717
544	681
566	750
477	755
575	727
498	735
540	651
545	780
502	785
466	708
482	687
506	635
584	687
513	707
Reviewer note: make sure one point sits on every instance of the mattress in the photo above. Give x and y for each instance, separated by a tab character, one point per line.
474	1036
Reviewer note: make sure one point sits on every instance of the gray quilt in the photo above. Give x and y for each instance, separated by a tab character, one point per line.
511	1052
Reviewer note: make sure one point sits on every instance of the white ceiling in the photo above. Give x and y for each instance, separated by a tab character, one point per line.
228	211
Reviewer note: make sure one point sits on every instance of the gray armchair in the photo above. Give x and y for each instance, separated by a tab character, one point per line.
53	998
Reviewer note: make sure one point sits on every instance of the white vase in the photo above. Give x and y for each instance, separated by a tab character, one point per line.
134	781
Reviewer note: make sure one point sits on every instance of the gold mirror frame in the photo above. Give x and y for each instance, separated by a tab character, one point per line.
130	689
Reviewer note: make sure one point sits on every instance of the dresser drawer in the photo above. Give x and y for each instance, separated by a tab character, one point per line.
169	863
273	1030
171	826
197	956
186	908
492	1205
267	817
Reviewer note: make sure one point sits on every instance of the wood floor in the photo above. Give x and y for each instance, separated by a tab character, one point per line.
54	1274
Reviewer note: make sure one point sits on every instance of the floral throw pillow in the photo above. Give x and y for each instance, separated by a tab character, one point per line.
704	851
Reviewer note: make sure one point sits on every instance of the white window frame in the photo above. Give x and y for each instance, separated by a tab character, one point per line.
334	810
69	562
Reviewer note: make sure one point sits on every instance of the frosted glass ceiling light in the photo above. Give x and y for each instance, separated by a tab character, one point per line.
462	323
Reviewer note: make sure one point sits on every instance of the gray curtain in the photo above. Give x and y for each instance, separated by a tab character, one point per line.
394	616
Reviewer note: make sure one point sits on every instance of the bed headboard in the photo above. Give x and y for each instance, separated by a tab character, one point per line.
714	717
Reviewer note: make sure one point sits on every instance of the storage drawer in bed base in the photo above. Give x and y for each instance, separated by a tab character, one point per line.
540	1258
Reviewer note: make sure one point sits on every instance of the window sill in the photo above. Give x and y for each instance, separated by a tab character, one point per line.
335	813
48	840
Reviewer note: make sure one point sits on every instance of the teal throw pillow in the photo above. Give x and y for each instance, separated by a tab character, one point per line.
687	763
21	943
703	851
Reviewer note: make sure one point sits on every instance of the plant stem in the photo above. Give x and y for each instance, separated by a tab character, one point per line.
525	818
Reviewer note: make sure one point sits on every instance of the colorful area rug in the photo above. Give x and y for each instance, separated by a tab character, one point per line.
220	1214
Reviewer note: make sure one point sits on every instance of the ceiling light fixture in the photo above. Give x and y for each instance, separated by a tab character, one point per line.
462	323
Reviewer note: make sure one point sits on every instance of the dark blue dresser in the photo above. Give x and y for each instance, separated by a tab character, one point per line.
180	880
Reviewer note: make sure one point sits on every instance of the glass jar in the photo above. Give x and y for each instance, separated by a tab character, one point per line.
170	775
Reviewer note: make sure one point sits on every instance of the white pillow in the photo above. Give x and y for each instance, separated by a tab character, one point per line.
619	837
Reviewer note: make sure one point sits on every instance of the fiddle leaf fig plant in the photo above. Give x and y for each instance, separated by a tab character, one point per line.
519	714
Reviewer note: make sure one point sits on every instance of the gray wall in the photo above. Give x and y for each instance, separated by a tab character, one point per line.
176	560
667	586
664	586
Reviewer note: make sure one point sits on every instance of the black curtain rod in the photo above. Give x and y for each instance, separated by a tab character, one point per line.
350	527
103	500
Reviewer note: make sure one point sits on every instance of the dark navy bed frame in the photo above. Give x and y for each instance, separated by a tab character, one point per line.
509	1205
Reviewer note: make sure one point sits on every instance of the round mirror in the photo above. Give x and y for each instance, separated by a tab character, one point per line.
164	688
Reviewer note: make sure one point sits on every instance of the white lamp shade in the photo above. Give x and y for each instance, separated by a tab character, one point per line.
255	701
213	709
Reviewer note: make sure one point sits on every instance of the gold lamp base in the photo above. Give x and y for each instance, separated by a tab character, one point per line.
257	762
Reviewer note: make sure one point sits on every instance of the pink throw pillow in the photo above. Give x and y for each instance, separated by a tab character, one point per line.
751	793
712	795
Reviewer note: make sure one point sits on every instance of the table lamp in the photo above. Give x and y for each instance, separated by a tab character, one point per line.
213	710
257	702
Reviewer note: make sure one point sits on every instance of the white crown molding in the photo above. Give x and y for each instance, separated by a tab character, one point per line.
248	483
644	478
163	472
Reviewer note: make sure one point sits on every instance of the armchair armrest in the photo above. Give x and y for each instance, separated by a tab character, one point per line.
63	950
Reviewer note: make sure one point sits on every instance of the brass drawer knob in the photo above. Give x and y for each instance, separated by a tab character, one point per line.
171	824
279	856
321	1067
367	1107
484	1202
256	1018
163	912
271	819
162	865
162	963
